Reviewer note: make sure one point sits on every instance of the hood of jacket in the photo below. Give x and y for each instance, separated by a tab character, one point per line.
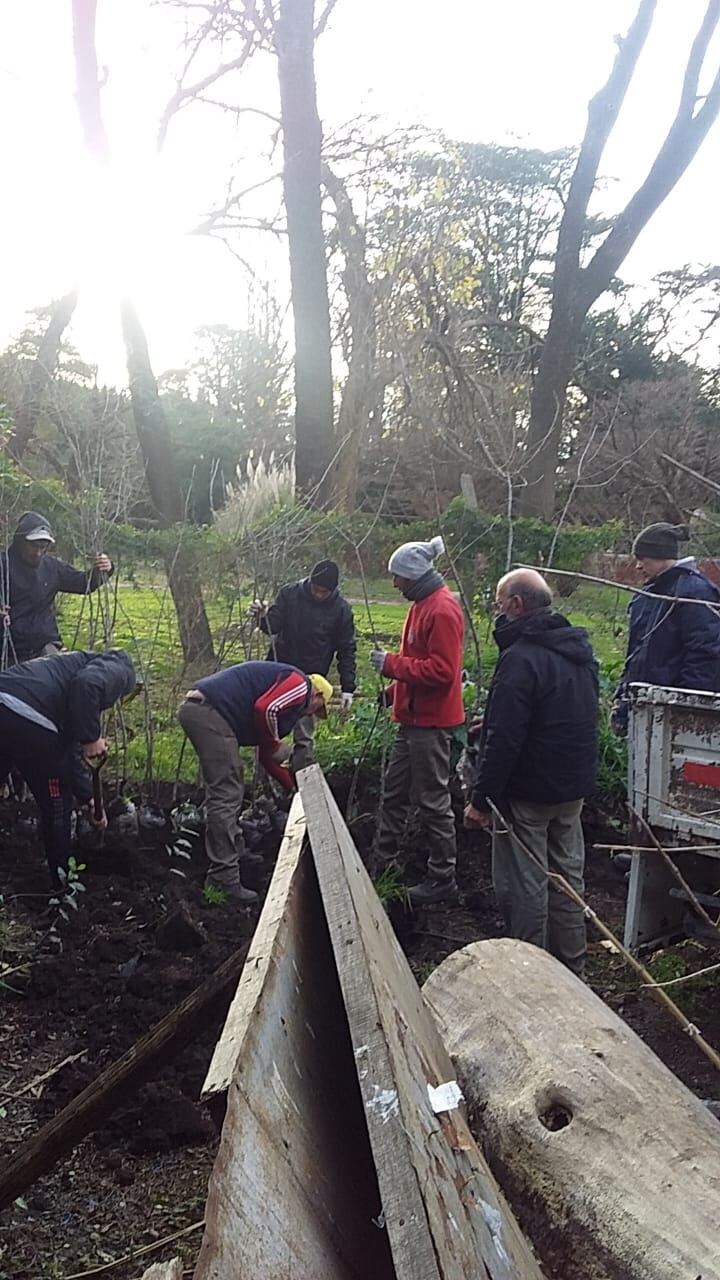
28	522
551	631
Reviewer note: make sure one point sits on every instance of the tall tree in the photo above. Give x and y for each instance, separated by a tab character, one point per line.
288	29
148	413
576	286
302	144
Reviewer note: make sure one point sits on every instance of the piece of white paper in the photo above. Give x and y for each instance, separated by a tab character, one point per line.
446	1097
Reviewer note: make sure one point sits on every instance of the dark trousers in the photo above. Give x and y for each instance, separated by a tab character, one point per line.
45	763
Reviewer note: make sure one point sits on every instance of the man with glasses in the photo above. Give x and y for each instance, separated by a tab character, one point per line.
538	760
30	579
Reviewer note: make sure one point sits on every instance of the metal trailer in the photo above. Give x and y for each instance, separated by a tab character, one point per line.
674	783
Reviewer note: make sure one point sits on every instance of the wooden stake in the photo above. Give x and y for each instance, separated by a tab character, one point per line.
648	981
85	1112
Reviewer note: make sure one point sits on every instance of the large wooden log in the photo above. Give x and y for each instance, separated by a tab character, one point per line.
612	1165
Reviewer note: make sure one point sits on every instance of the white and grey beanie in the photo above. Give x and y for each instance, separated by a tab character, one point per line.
413	559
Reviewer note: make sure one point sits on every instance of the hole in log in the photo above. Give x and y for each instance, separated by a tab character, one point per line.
554	1112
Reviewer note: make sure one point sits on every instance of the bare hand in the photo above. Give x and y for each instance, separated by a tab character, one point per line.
283	753
476	819
256	611
475	726
94	752
103	562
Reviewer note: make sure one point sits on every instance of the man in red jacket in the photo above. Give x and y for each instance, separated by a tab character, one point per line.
426	696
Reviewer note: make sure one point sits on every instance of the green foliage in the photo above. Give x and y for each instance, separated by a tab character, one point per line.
390	888
473	536
214	895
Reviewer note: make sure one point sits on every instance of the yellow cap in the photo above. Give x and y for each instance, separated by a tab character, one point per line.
324	688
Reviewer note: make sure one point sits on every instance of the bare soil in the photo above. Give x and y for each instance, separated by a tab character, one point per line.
87	989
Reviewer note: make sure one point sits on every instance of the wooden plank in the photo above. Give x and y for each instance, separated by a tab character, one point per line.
91	1107
444	1213
267	937
293	1192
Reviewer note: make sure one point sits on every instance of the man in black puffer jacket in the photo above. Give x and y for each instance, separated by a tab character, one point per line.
669	644
538	761
50	711
310	623
31	578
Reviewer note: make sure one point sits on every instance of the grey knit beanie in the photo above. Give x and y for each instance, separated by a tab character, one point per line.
660	541
413	559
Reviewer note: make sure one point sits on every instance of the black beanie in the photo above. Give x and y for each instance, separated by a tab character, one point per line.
325	574
660	541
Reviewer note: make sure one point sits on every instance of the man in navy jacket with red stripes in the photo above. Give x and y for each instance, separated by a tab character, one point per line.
251	704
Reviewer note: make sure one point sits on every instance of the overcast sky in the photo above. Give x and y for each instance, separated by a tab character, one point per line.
511	70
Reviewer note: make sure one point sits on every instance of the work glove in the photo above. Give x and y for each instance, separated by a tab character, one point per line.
256	611
377	659
283	753
346	701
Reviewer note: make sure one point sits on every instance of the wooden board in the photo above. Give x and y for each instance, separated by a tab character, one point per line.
444	1213
293	1192
615	1158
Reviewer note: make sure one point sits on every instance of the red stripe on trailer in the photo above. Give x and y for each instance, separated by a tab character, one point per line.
705	775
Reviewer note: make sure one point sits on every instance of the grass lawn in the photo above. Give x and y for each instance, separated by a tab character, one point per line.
143	621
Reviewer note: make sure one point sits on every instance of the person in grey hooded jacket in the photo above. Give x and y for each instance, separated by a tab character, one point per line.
31	577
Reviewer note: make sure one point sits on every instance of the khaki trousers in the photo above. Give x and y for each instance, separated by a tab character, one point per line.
418	774
532	908
222	771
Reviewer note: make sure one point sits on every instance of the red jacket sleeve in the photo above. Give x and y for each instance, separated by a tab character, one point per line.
444	654
284	695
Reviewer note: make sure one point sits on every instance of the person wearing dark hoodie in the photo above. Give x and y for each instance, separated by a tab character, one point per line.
427	704
669	644
538	762
310	623
31	578
50	729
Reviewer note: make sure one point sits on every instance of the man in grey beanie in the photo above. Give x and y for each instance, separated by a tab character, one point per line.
426	700
673	645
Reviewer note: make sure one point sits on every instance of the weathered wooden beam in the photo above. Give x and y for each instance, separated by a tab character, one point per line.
445	1216
90	1108
293	1191
615	1159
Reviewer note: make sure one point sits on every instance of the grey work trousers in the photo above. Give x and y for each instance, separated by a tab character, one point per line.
532	908
222	771
418	774
303	752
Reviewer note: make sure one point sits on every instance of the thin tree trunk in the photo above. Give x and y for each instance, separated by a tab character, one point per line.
576	288
302	137
165	491
41	374
360	392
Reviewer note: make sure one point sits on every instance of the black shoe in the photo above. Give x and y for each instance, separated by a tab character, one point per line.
249	859
430	891
241	897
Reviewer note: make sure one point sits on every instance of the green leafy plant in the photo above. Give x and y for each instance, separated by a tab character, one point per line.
390	888
214	895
